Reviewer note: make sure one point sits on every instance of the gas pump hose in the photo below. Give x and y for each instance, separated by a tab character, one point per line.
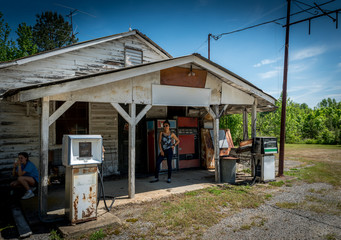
102	193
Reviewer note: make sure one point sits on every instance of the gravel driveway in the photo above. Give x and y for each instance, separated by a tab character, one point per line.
272	222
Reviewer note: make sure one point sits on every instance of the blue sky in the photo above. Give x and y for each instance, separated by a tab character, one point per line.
182	27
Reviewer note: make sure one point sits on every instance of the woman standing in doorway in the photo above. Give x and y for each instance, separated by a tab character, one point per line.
166	147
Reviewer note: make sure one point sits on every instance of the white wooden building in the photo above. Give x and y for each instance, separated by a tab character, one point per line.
125	76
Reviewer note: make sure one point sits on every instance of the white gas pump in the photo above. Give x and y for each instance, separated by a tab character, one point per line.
263	149
81	155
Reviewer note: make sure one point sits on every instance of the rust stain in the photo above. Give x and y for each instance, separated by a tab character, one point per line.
75	207
84	198
90	170
88	212
75	170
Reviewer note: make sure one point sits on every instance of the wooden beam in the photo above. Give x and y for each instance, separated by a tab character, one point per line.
245	125
216	143
62	109
44	150
133	121
211	112
142	113
223	110
254	119
132	150
122	112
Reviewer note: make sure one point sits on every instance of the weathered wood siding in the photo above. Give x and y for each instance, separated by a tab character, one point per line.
93	59
19	132
103	120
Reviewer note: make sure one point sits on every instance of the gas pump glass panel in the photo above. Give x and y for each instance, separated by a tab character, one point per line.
82	149
265	145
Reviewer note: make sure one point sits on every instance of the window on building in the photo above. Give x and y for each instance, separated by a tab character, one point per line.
74	121
132	56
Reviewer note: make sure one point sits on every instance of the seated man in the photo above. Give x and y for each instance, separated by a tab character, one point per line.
27	174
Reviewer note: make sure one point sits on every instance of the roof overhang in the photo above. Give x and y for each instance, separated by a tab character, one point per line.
89	81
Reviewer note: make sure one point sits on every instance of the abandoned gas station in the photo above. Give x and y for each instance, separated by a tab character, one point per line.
121	87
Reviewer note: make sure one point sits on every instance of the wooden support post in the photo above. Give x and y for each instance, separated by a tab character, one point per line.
216	143
245	125
44	152
216	115
133	120
132	143
254	119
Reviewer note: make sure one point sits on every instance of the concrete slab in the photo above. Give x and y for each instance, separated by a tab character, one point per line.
104	219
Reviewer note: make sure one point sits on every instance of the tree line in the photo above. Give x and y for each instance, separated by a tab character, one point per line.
321	125
49	32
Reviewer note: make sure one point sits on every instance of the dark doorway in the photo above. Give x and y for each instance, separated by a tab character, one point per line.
141	166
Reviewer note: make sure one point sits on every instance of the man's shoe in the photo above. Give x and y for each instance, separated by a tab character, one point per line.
28	195
169	180
155	180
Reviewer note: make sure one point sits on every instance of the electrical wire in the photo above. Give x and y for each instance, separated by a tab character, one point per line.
315	13
216	37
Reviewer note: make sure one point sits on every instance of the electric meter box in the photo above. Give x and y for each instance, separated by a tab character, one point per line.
265	145
82	149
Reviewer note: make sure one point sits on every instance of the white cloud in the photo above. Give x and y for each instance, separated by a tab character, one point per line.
269	74
339	65
265	62
308	53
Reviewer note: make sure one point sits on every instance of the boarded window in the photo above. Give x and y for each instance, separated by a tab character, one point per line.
132	56
74	121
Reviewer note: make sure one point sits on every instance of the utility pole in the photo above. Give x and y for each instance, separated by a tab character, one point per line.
209	46
284	95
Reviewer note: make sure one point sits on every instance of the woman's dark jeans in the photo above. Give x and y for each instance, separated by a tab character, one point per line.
169	154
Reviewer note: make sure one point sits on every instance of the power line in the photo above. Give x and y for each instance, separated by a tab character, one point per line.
216	37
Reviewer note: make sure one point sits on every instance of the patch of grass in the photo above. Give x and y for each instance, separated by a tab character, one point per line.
311	146
191	193
97	235
319	172
54	235
330	236
257	221
288	205
320	191
203	208
245	227
268	196
132	220
277	183
316	203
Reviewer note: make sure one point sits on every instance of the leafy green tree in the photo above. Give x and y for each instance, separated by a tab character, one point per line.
7	46
233	122
52	31
25	42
